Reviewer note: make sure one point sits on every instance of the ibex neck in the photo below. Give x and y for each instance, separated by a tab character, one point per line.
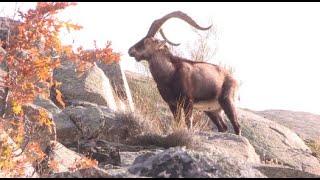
161	67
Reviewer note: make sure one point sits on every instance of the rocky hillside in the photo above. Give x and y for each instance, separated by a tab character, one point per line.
131	144
305	124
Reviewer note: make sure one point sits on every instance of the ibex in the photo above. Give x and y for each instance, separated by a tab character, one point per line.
203	86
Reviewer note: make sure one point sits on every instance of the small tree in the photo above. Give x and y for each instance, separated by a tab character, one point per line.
200	50
32	53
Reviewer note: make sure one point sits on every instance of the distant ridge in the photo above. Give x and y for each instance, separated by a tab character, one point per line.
306	124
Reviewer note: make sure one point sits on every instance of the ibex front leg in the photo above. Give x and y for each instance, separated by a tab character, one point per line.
176	112
188	108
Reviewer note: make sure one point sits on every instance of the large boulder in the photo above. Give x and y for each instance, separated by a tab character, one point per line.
93	121
273	141
38	125
65	128
118	80
214	150
46	104
179	162
91	86
89	119
305	124
230	145
64	163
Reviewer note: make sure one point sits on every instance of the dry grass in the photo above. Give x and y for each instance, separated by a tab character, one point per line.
162	129
129	125
314	145
177	138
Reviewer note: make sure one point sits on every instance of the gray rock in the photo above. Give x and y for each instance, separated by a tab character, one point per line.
230	145
304	124
119	83
179	162
66	161
66	130
89	120
274	141
39	130
91	86
47	104
275	171
93	121
82	173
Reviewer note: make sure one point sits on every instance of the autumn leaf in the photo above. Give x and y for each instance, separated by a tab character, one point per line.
44	118
16	108
59	98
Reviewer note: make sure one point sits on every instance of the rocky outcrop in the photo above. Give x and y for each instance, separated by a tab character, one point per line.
65	164
230	145
89	119
273	141
38	126
305	124
93	121
119	83
91	86
182	163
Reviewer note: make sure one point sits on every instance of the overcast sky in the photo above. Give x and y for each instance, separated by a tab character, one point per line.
273	47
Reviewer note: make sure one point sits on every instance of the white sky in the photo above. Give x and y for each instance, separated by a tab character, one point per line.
274	47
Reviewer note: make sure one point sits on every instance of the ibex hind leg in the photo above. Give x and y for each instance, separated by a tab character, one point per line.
226	102
217	120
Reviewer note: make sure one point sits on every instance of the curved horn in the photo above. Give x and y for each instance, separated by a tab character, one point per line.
155	26
164	37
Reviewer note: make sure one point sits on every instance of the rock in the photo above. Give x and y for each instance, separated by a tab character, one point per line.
93	121
82	173
39	125
119	83
304	124
216	143
274	141
181	163
66	130
275	171
230	145
3	92
89	120
91	86
27	169
66	162
47	104
99	150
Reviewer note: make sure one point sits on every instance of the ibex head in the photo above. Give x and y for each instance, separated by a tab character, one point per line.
148	45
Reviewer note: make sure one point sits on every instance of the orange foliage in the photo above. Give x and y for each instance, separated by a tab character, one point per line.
31	55
35	50
83	163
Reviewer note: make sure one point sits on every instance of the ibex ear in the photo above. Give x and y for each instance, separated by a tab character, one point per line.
146	40
162	44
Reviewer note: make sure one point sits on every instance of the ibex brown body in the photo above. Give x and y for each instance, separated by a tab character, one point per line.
203	86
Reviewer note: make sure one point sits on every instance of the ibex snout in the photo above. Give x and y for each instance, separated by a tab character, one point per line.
131	52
